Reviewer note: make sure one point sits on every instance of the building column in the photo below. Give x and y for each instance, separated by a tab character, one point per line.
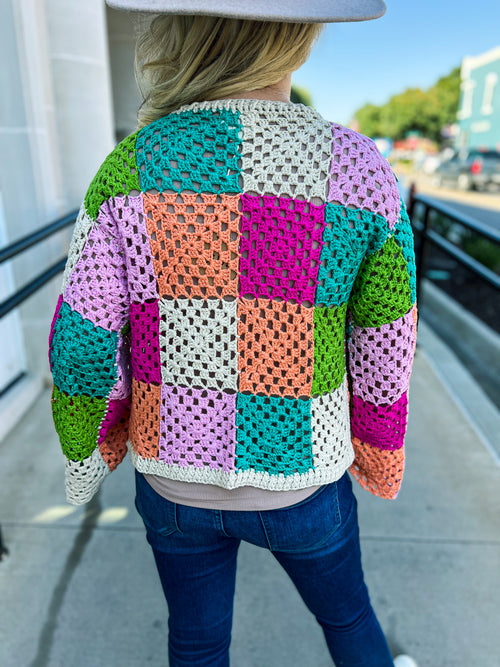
78	53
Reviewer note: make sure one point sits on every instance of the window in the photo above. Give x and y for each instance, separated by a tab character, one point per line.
467	93
490	82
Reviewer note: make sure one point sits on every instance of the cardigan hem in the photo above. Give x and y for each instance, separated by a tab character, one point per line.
237	478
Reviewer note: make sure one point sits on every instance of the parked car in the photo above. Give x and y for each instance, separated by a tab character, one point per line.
471	169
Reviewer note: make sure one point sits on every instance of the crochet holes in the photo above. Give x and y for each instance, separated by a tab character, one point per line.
118	175
329	348
144	320
281	242
198	427
361	177
349	235
384	282
330	424
113	432
382	426
85	355
97	285
191	151
145	418
275	346
273	434
195	242
372	463
285	152
129	211
198	342
83	226
380	360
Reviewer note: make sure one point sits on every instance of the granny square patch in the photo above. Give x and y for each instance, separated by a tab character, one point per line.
195	244
198	428
275	346
280	247
198	343
193	151
274	434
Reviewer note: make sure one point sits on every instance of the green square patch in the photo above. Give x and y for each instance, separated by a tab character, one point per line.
117	176
77	420
381	292
329	349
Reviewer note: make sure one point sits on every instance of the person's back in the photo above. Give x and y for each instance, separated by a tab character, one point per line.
238	311
247	234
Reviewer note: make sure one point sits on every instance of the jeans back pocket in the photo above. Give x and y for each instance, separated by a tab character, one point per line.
306	526
158	514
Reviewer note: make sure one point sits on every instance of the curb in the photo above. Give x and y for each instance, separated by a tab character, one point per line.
476	344
480	412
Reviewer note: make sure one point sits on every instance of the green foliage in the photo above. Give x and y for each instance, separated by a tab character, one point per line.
414	110
300	95
368	118
484	250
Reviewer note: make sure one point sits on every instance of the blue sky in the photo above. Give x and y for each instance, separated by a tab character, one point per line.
412	45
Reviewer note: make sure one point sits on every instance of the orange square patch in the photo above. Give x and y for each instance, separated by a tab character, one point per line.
194	241
275	347
144	430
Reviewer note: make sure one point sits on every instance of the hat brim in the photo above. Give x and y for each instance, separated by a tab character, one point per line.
311	11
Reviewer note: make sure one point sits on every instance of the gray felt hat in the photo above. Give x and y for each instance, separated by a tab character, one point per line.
301	11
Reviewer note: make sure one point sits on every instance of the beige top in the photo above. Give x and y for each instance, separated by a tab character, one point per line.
209	496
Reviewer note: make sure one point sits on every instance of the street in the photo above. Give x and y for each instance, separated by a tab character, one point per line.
483	206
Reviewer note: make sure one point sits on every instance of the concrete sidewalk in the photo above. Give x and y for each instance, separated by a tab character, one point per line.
79	588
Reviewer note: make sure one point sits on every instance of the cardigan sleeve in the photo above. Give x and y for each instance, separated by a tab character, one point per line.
383	317
89	345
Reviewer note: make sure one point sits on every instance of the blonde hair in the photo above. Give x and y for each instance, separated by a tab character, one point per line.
184	59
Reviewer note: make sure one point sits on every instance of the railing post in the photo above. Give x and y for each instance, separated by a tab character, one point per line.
3	549
422	249
411	199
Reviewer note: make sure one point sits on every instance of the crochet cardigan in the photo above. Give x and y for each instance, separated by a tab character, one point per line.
238	306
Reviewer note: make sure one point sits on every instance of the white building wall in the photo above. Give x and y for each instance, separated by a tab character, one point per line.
122	30
79	61
56	127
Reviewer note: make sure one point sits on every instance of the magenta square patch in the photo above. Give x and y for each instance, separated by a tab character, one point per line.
280	247
115	411
145	351
381	426
197	428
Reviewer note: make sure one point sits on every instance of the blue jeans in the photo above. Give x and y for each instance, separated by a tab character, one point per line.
317	543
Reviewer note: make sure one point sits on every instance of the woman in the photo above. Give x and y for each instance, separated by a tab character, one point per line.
221	254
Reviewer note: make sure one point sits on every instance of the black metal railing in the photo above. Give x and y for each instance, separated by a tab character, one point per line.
11	251
439	226
14	249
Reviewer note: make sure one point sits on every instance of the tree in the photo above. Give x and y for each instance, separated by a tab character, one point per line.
414	110
368	118
300	95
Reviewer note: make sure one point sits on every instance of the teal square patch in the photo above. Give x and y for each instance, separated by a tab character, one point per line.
349	235
273	434
403	234
191	150
83	356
